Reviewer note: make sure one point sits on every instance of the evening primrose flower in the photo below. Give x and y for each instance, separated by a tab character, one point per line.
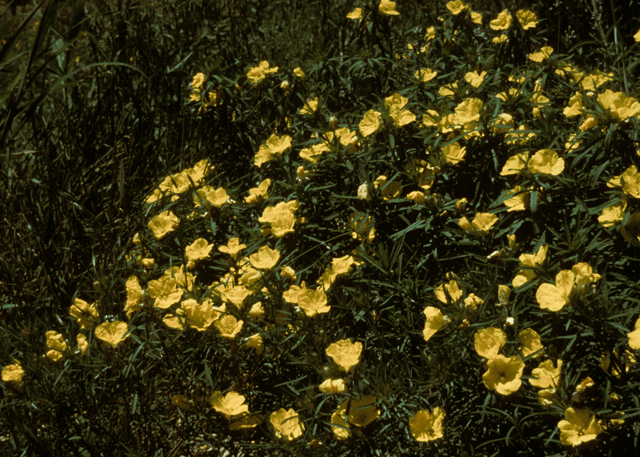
502	22
481	223
230	405
280	217
313	302
13	374
555	297
634	337
396	105
207	195
255	341
58	347
527	19
112	333
425	75
546	376
344	353
531	343
619	105
232	248
472	302
370	123
629	181
453	153
489	341
547	162
164	291
86	314
339	266
578	427
541	55
265	258
199	316
275	146
503	374
388	189
456	7
355	14
163	223
435	321
532	261
228	326
314	153
613	215
362	411
135	295
450	291
83	344
474	78
427	426
255	75
198	250
310	107
332	386
362	227
388	8
287	424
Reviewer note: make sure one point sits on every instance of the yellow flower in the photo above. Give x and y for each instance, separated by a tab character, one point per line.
246	422
362	227
293	293
256	311
361	412
502	22
255	341
340	427
448	90
265	258
389	190
310	107
388	8
476	18
257	74
527	19
631	230
164	291
531	261
481	223
613	215
181	402
531	343
619	105
592	82
339	266
286	424
585	277
489	341
313	302
345	354
503	295
57	345
314	153
636	37
453	153
370	123
520	201
541	55
230	404
199	316
503	124
555	297
605	362
86	314
474	78
435	321
456	7
452	291
83	344
228	326
163	223
112	333
499	39
198	250
547	162
198	81
209	195
396	103
472	302
416	196
299	73
13	373
355	14
503	374
275	146
332	386
134	295
232	248
634	337
629	181
281	218
427	426
578	427
426	75
546	376
175	319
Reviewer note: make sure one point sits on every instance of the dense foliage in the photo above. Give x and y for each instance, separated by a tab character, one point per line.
318	229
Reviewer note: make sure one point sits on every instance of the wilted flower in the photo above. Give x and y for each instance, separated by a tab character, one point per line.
427	426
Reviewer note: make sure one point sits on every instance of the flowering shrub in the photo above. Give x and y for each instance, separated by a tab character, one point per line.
424	245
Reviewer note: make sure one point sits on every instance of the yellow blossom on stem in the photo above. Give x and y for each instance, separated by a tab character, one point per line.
286	424
531	261
355	14
435	321
164	291
427	426
198	250
275	146
388	8
228	326
546	376
112	333
265	258
280	217
555	297
502	22
332	386
257	74
313	302
345	354
86	314
489	341
634	337
210	196
527	19
370	123
231	404
503	374
578	427
531	343
163	223
58	347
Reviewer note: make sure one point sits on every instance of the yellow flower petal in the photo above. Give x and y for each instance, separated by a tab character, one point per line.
112	333
344	353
